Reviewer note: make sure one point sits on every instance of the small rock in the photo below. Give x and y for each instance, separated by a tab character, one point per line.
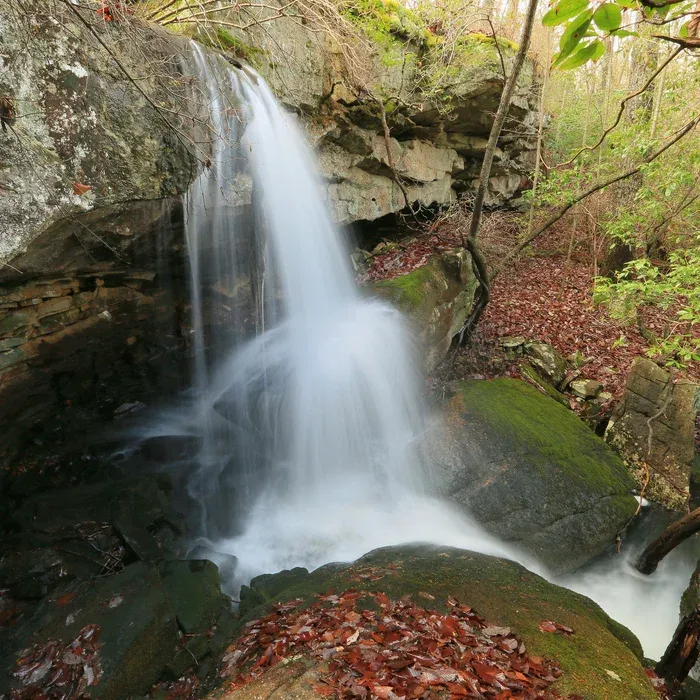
511	341
194	592
585	388
576	358
129	408
547	360
383	247
188	657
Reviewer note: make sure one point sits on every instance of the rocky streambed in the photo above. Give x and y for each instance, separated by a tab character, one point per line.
102	592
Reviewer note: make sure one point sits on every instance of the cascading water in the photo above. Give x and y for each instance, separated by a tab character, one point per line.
310	427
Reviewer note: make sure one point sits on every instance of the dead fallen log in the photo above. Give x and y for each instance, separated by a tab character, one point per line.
682	653
668	540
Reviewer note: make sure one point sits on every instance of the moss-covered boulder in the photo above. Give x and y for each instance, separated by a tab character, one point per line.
601	660
437	297
146	621
530	472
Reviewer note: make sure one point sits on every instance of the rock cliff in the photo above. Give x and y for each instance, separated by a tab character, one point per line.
106	127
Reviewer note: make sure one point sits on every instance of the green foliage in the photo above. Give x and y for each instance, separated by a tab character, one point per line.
675	289
653	215
608	17
238	48
593	20
385	22
563	11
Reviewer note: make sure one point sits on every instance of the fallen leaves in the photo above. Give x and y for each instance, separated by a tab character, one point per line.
376	647
80	189
658	683
542	297
57	671
63	600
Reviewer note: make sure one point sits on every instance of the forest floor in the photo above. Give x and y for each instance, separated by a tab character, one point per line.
543	295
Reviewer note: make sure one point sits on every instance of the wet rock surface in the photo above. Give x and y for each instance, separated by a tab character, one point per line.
97	567
437	297
530	472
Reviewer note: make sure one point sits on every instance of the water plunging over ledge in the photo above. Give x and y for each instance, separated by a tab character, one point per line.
310	428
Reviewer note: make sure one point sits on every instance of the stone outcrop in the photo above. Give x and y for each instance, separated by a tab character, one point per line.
437	297
88	132
655	405
100	151
85	138
601	660
530	472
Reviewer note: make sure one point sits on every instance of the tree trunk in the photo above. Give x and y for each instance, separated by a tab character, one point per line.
478	263
668	540
540	132
682	653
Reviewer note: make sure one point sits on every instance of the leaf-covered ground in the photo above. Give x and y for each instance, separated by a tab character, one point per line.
540	296
371	646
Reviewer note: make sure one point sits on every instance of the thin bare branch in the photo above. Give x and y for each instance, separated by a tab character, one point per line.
595	188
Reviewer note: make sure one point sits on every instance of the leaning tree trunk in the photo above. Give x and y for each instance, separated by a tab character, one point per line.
668	540
682	653
478	262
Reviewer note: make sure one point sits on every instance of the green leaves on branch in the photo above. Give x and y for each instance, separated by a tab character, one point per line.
590	52
563	11
597	20
674	289
572	36
608	17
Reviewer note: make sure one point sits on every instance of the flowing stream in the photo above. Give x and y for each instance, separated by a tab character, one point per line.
311	424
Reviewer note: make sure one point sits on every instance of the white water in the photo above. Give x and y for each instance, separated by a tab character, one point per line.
323	412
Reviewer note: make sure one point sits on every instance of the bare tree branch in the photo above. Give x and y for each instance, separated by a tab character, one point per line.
623	104
591	190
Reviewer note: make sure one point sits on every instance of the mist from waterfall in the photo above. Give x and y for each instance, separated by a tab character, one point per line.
311	424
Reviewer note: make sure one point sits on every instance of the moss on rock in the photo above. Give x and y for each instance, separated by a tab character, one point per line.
437	297
530	472
538	425
506	594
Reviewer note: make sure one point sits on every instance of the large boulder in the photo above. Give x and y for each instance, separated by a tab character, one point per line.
437	297
136	619
656	406
530	472
601	660
137	631
91	139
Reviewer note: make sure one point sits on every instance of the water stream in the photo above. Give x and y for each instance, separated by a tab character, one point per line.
311	425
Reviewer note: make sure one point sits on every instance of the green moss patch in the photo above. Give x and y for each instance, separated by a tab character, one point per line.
410	291
385	21
537	425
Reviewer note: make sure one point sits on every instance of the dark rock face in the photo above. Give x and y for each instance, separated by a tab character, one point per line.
530	472
103	557
652	396
93	288
501	591
194	591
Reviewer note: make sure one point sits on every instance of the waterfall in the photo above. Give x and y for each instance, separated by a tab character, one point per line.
308	394
311	426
